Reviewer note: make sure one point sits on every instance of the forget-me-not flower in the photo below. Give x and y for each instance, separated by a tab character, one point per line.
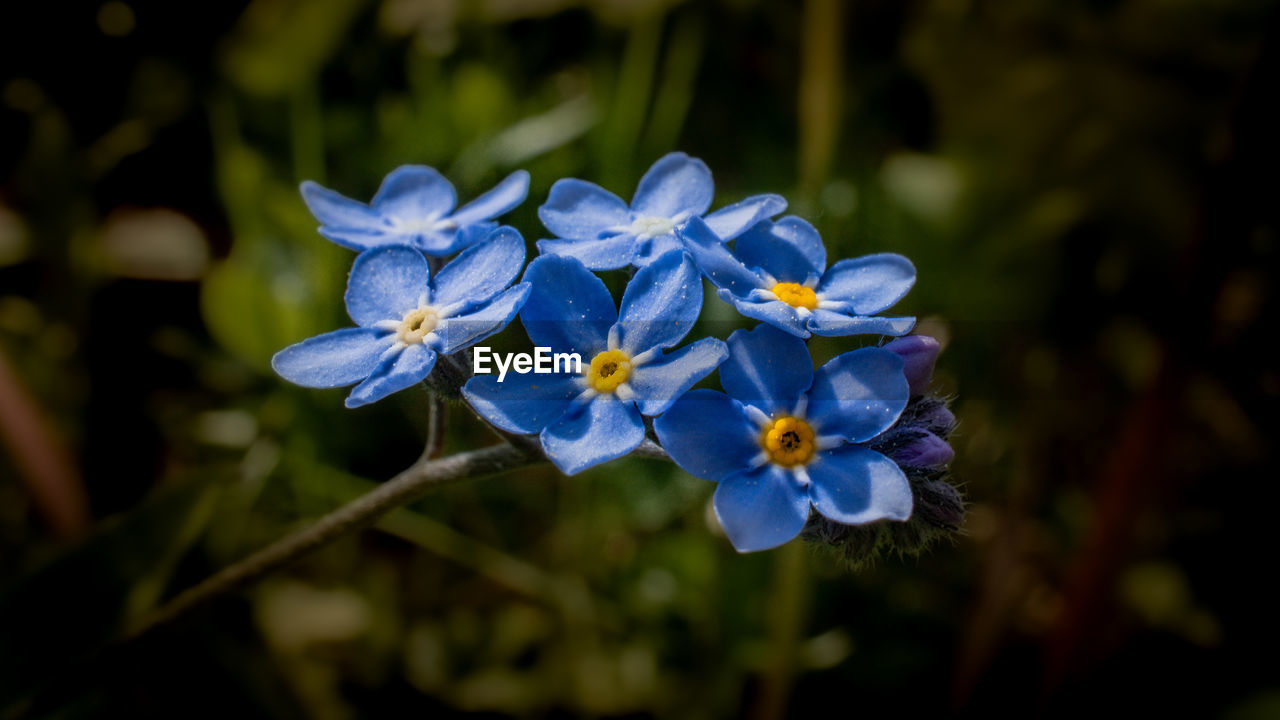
415	207
598	228
777	272
595	415
406	317
786	437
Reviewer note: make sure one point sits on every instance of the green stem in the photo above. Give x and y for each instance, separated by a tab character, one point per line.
788	610
403	488
631	98
410	484
820	89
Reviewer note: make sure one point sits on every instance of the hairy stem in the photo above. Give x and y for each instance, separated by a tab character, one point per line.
399	490
437	415
403	488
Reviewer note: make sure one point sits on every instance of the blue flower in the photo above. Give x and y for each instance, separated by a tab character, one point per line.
406	317
786	437
598	228
592	416
414	206
775	273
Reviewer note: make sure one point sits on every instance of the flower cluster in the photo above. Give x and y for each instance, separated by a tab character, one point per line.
852	454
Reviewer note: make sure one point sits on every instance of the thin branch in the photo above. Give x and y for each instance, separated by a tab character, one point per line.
437	415
401	489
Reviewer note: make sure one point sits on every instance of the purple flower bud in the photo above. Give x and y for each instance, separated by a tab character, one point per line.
925	450
937	419
919	352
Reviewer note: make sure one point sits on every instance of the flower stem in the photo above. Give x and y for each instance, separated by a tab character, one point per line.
413	482
403	488
437	414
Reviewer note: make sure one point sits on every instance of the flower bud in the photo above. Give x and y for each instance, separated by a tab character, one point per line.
924	450
919	353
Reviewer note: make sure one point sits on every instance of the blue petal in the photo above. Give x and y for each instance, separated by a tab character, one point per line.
870	283
386	283
656	247
601	430
761	508
522	403
462	331
924	450
413	194
716	261
407	367
504	196
708	434
362	240
568	308
774	312
438	243
919	353
830	323
333	359
767	368
660	304
675	184
468	235
607	253
481	271
731	221
579	210
790	250
338	212
858	395
854	485
660	382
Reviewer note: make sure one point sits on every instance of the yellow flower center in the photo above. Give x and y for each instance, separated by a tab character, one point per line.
788	441
796	295
417	324
608	370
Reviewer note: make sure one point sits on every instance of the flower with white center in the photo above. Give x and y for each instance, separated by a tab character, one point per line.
414	207
777	272
598	228
406	318
783	438
587	418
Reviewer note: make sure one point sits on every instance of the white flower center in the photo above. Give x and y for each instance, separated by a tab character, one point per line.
417	324
426	225
652	226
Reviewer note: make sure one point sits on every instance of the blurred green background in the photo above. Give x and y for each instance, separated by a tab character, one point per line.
1088	190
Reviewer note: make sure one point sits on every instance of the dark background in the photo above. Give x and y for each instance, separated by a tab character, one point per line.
1088	190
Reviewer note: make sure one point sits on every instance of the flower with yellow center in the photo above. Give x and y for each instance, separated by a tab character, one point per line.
590	416
796	295
788	441
785	439
777	273
608	370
